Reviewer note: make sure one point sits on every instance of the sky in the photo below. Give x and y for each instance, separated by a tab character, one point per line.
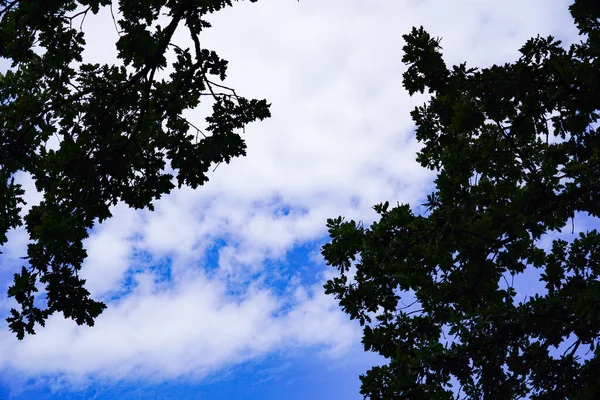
218	292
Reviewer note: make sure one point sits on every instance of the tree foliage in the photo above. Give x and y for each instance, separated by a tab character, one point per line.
516	149
120	130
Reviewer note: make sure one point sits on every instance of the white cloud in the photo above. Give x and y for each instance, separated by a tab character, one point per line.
193	328
110	247
340	140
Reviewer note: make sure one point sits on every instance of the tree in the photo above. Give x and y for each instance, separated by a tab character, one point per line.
516	149
119	130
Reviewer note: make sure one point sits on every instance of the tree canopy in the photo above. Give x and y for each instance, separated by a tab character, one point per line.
120	129
516	149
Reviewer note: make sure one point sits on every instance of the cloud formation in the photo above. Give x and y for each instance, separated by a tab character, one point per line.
211	278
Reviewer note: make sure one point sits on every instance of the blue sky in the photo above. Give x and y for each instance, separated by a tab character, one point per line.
218	293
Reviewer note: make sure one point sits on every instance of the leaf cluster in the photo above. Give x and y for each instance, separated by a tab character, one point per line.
120	130
516	148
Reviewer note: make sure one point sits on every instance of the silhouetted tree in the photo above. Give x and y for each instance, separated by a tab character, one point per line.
517	154
118	128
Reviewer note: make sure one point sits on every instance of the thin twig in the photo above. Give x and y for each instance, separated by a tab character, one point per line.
114	20
576	346
82	12
8	7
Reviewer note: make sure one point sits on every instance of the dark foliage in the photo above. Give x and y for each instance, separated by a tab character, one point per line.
118	128
517	153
